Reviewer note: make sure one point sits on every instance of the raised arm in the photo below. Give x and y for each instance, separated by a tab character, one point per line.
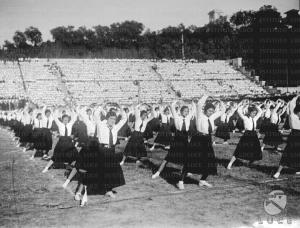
55	117
173	109
200	105
123	120
221	109
292	105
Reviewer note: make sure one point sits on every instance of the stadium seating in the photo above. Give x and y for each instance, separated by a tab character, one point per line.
126	81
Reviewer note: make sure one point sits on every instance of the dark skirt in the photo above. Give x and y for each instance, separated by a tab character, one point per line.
272	135
201	157
265	125
64	152
240	124
88	161
248	147
18	129
88	158
79	131
223	131
291	154
164	135
1	122
135	146
179	148
26	134
125	131
154	124
42	139
111	173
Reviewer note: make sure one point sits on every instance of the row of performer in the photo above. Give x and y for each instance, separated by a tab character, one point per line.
89	135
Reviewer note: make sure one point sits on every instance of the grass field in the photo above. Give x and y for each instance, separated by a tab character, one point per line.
32	199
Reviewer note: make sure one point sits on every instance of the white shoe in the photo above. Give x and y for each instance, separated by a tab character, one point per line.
121	163
77	196
45	170
66	183
156	175
138	163
110	194
167	147
152	148
204	183
189	174
180	185
84	199
276	175
298	173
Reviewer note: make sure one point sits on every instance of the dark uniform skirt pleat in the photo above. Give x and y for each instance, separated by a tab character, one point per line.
64	152
26	134
178	150
111	172
42	139
223	131
135	146
240	124
265	125
201	156
125	131
272	136
291	154
88	162
248	147
164	135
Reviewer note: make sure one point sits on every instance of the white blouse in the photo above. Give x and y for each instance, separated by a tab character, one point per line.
165	118
103	131
249	123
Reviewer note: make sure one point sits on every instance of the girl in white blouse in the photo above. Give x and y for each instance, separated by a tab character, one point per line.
272	135
164	135
291	154
201	157
65	150
248	147
180	143
226	126
135	146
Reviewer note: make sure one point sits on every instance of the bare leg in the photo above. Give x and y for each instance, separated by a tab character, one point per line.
48	166
277	174
78	193
72	174
123	160
180	184
161	168
84	198
231	162
152	148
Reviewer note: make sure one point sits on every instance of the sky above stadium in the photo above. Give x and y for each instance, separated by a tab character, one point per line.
154	14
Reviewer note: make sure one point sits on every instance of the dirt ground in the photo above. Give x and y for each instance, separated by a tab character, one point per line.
32	199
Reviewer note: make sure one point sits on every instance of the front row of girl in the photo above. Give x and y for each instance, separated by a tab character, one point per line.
88	138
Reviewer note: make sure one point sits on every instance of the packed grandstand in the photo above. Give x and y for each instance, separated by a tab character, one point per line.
126	81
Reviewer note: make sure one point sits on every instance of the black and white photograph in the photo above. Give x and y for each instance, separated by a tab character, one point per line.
139	113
